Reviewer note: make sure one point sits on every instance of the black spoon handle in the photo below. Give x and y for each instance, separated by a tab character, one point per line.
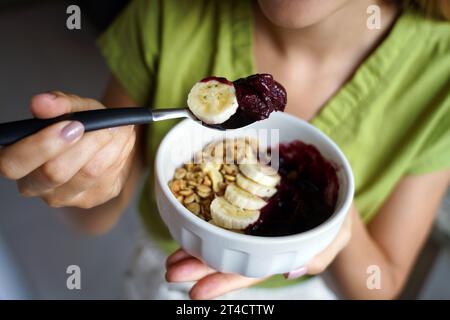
11	132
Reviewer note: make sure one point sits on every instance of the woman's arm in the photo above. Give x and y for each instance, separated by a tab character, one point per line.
392	240
100	219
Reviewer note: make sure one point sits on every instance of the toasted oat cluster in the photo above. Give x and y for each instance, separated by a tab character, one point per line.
206	176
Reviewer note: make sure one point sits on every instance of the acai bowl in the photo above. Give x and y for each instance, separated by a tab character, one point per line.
249	254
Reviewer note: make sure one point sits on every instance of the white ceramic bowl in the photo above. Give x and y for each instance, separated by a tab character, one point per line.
231	252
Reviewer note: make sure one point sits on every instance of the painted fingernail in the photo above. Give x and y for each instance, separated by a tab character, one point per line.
72	131
297	273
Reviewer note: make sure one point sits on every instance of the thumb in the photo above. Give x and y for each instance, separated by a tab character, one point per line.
56	103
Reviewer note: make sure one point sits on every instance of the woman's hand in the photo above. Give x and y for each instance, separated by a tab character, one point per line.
182	267
65	166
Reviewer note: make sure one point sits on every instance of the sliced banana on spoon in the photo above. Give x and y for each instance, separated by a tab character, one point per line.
222	104
213	101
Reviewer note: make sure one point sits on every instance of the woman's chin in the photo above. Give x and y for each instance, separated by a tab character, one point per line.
297	14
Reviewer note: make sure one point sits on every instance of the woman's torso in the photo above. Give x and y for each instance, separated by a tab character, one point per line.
387	117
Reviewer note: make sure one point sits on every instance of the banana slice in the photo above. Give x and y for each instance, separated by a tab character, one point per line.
228	216
242	198
212	101
213	223
261	174
254	188
212	170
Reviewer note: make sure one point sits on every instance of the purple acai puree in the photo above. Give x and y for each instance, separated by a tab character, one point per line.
257	95
306	196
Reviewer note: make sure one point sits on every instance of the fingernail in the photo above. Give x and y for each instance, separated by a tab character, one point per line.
49	95
297	273
72	131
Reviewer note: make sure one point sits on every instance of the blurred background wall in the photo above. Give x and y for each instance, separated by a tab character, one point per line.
39	54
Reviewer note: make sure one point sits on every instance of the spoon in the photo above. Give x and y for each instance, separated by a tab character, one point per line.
11	132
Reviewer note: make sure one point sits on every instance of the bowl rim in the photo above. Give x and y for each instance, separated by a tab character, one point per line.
341	210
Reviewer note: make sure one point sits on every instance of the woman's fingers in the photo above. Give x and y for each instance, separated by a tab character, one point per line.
64	166
81	188
177	256
181	267
26	155
56	103
217	284
190	269
61	169
106	156
105	188
49	105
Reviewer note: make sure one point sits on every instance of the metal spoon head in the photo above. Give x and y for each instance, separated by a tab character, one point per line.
236	121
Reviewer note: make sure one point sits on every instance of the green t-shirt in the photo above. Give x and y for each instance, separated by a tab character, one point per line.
391	119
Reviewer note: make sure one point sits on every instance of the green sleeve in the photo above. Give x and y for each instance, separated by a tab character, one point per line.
130	46
435	152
